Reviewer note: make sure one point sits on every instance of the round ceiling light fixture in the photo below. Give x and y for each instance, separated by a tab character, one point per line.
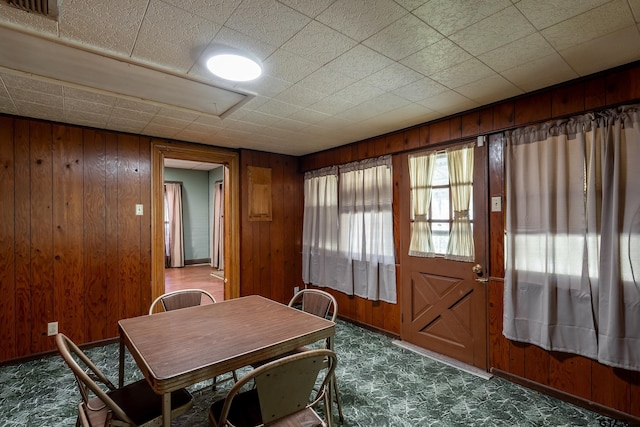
235	65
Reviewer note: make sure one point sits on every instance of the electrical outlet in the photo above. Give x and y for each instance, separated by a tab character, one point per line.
296	289
139	209
52	328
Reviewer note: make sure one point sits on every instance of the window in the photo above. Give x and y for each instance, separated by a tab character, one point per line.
441	190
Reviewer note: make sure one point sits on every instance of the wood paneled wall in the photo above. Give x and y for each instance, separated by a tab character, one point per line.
72	249
572	376
271	251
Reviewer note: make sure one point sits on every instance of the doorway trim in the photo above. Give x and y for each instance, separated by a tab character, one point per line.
182	151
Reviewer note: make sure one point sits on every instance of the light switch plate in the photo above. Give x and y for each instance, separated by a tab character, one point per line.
139	209
496	204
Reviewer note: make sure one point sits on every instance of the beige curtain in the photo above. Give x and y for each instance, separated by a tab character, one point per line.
421	167
217	235
173	236
460	162
573	236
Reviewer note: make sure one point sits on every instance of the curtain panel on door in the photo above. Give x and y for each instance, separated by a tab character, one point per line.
421	167
460	162
320	227
572	248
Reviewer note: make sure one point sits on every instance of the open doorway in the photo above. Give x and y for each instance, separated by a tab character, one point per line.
194	226
228	160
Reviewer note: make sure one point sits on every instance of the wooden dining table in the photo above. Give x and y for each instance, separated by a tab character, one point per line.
179	348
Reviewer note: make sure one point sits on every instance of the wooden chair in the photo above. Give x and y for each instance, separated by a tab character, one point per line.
181	299
283	394
103	404
185	298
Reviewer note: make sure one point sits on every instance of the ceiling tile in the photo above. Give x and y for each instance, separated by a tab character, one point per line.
462	74
217	11
590	25
77	105
89	96
360	19
128	114
266	85
290	124
319	43
232	38
43	98
543	14
449	16
539	73
184	115
126	124
137	106
18	81
327	81
411	4
518	52
394	76
359	92
489	89
7	106
169	122
420	90
278	108
448	102
375	106
288	66
102	25
333	104
260	118
39	111
499	29
635	7
308	116
88	121
311	8
402	38
300	95
267	20
359	62
172	36
616	48
439	56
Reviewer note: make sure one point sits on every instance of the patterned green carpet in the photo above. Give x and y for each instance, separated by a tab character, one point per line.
380	383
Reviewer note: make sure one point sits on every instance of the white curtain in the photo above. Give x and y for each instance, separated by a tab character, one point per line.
173	234
421	169
573	236
320	227
366	259
460	162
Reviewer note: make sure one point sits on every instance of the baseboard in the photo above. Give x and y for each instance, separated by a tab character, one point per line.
197	261
575	400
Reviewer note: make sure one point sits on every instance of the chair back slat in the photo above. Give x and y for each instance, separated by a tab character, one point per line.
316	302
285	389
181	300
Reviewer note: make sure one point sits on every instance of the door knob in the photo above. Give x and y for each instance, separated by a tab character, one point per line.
477	269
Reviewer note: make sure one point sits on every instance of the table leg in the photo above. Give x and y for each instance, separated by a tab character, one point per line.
121	364
166	410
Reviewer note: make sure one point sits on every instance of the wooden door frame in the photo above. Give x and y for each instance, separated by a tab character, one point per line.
201	153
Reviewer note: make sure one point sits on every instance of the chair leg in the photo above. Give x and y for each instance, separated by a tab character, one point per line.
334	389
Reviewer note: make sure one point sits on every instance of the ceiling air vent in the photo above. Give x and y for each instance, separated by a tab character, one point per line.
41	7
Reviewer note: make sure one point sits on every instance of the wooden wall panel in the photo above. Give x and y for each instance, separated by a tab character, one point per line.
144	198
567	99
277	230
498	344
439	132
271	250
128	226
7	240
42	308
533	108
94	230
114	295
23	319
503	115
570	373
68	290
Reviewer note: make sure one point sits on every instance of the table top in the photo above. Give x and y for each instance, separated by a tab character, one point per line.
182	347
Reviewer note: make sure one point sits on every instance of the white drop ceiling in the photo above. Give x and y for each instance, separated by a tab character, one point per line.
335	71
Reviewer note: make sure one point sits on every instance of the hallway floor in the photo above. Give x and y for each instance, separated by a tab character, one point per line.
195	276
